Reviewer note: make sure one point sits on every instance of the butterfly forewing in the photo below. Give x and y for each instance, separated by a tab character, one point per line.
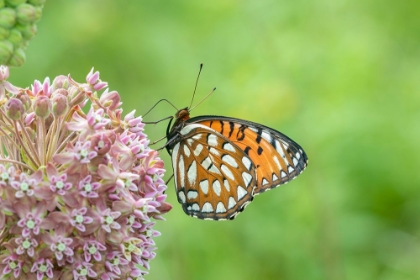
277	158
214	178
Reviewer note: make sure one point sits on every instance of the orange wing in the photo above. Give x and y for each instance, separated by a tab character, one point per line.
277	158
214	178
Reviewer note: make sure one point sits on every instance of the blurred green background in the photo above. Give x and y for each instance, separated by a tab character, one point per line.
341	78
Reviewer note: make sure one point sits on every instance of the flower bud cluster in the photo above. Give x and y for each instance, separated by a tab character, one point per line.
80	188
17	27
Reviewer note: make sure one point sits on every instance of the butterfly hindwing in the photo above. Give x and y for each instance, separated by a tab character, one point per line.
214	178
277	158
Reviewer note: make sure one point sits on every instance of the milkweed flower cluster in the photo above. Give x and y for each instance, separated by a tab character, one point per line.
80	188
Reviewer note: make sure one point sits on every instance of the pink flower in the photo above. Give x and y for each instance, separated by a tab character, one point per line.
30	220
12	263
43	268
60	245
79	218
93	80
42	89
25	186
27	245
114	260
135	125
58	182
110	99
108	219
92	248
82	270
87	188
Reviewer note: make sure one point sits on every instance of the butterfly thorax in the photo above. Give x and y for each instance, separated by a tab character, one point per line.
172	133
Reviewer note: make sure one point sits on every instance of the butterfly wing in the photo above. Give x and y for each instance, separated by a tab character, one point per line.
214	178
277	158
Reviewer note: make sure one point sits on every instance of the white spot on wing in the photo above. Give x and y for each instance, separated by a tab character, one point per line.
181	196
230	160
187	151
276	160
266	136
247	162
207	208
192	194
290	169
192	172
275	178
212	140
204	185
227	172
264	182
297	155
247	178
283	174
280	149
231	203
229	147
198	149
197	136
216	187
295	162
220	208
208	165
241	192
187	129
195	207
226	184
181	168
214	170
214	151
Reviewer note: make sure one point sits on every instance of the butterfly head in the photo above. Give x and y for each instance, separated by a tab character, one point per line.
182	115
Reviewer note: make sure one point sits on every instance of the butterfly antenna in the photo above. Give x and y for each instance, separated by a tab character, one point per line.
158	103
205	97
196	83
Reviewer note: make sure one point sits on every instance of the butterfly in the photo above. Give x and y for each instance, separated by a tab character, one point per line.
221	163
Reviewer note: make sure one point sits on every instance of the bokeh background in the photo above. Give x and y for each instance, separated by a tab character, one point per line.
341	78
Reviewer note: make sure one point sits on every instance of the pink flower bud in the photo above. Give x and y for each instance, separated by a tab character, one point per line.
61	82
14	109
61	91
26	101
111	99
76	96
92	78
42	106
60	104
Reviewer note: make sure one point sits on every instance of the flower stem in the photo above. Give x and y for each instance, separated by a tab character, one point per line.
23	146
17	163
28	137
